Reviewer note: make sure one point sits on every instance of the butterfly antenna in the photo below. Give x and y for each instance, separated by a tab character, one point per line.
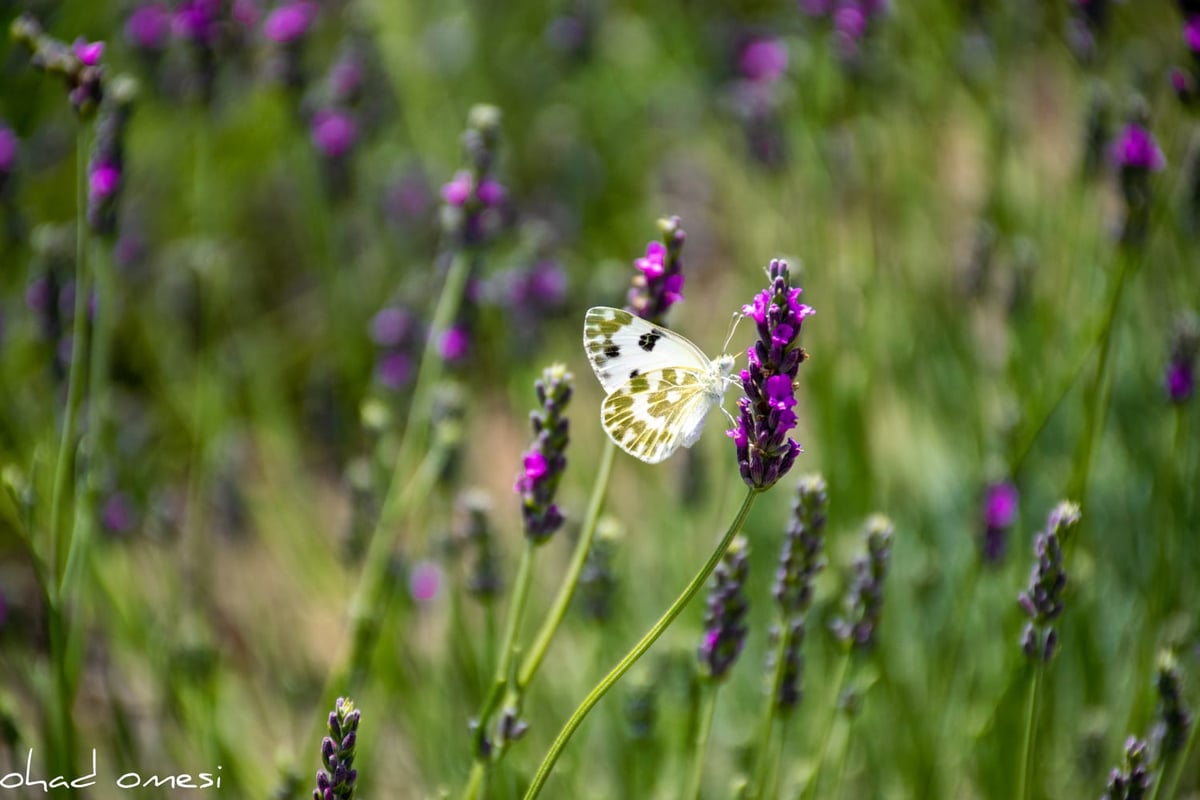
737	317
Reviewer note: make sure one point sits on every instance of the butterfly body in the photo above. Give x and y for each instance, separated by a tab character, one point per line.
660	386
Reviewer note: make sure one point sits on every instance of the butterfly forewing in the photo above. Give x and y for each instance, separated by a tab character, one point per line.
650	415
621	346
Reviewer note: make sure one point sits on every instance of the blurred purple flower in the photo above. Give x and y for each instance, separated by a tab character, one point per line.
394	370
290	21
763	60
345	77
455	343
333	132
118	513
652	265
1180	381
816	8
425	581
37	295
149	26
390	326
725	626
1136	149
409	197
491	193
543	463
458	190
88	53
246	13
660	282
1191	33
104	180
197	21
8	148
1000	505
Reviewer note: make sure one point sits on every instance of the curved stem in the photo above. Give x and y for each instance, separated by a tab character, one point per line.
1181	763
1026	773
639	649
708	704
566	591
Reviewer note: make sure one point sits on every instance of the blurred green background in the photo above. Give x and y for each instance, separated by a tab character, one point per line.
929	183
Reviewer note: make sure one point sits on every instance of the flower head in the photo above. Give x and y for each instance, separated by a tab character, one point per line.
658	284
1132	781
1191	33
1136	149
1042	599
725	626
149	27
764	451
763	60
88	53
333	132
1000	502
290	22
8	149
1175	720
546	459
1180	378
863	603
336	781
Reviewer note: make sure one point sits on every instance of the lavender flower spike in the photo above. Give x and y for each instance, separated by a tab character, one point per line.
799	563
1174	719
725	618
1133	782
864	600
1042	600
336	781
764	451
658	284
546	459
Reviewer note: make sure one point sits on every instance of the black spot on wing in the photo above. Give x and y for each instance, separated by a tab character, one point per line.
633	373
647	340
612	351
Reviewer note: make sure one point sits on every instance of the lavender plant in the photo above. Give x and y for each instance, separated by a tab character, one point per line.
337	780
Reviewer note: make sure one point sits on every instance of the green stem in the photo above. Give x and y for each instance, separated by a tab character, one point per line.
843	758
708	704
566	591
1026	773
87	514
768	725
639	649
504	659
61	538
843	669
1097	397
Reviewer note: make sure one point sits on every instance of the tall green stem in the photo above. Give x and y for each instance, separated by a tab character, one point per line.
708	704
566	591
639	649
1097	397
1026	773
763	753
843	669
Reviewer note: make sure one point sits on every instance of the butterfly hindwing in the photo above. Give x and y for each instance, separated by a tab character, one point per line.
621	346
653	413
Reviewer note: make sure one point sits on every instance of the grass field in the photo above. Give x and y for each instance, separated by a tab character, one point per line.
276	286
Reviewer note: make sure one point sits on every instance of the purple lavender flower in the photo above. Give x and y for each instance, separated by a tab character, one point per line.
198	21
336	781
863	603
1000	502
118	514
290	22
425	581
473	200
9	147
1191	33
658	284
475	532
333	132
1132	781
546	459
88	53
1042	600
1136	149
725	626
1180	378
1136	155
78	65
106	170
763	60
800	561
455	343
149	27
598	580
765	415
394	370
391	326
1170	732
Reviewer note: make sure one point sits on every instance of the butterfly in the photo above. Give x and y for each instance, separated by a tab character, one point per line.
660	386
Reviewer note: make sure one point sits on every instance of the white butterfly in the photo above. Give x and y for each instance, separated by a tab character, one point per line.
660	386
